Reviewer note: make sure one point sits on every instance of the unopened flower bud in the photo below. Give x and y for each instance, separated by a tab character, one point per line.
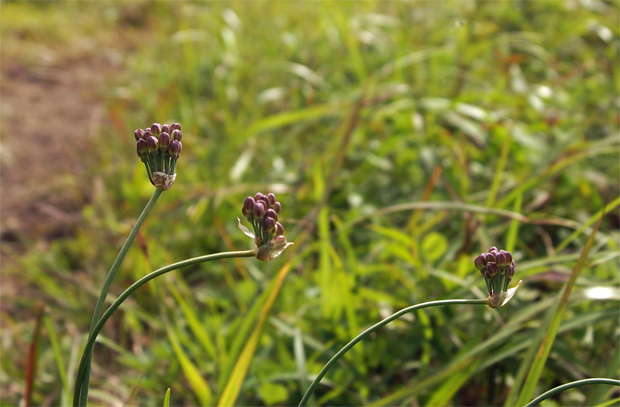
164	141
138	134
492	269
493	249
259	209
177	135
175	148
269	225
279	229
480	263
152	144
490	258
156	129
176	126
271	214
501	259
271	198
277	207
142	147
248	204
258	196
166	128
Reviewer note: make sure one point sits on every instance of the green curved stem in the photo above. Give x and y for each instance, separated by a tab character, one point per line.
570	385
88	350
108	280
372	329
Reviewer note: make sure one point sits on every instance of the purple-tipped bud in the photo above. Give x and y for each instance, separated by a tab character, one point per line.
166	128
501	259
509	259
492	269
175	148
258	196
248	204
176	126
277	207
164	141
480	263
177	135
271	214
152	144
259	209
493	249
279	229
156	129
511	270
269	225
142	147
271	198
490	258
138	134
147	133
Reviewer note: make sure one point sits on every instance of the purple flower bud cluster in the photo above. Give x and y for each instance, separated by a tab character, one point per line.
497	267
262	212
159	147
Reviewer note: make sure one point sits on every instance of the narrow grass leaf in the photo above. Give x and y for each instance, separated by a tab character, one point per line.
552	329
33	356
51	331
511	239
167	398
198	384
233	386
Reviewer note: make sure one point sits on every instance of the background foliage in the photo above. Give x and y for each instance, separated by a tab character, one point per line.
499	120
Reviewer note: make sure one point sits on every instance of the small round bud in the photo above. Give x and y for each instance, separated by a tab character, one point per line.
501	259
511	270
164	141
152	144
166	128
258	196
493	249
269	225
508	258
277	207
492	269
248	204
271	198
480	263
176	126
142	147
279	229
259	209
177	135
156	129
147	133
175	148
138	134
271	214
490	258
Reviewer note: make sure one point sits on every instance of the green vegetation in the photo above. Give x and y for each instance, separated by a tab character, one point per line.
403	138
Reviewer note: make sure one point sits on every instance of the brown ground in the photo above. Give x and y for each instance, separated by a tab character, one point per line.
49	114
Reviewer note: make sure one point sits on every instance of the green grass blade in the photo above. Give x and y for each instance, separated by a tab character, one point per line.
51	331
233	386
552	329
198	384
167	398
33	358
511	240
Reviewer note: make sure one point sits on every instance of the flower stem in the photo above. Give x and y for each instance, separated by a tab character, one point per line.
108	282
372	329
570	385
78	399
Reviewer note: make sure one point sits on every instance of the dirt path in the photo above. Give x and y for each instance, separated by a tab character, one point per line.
49	114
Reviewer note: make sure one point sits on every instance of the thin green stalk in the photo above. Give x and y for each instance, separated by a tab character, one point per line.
108	280
570	385
82	370
372	329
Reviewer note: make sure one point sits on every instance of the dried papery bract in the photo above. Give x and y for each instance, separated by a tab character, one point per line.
268	234
159	147
498	268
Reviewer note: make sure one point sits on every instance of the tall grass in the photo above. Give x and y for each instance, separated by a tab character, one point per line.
347	111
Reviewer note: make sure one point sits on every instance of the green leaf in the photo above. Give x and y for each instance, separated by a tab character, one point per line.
272	393
434	246
167	398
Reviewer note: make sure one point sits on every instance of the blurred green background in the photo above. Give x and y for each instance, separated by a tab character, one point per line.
402	139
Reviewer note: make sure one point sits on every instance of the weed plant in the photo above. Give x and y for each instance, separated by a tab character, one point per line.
402	138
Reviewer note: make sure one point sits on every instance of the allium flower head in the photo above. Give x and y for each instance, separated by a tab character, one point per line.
159	147
498	268
262	212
